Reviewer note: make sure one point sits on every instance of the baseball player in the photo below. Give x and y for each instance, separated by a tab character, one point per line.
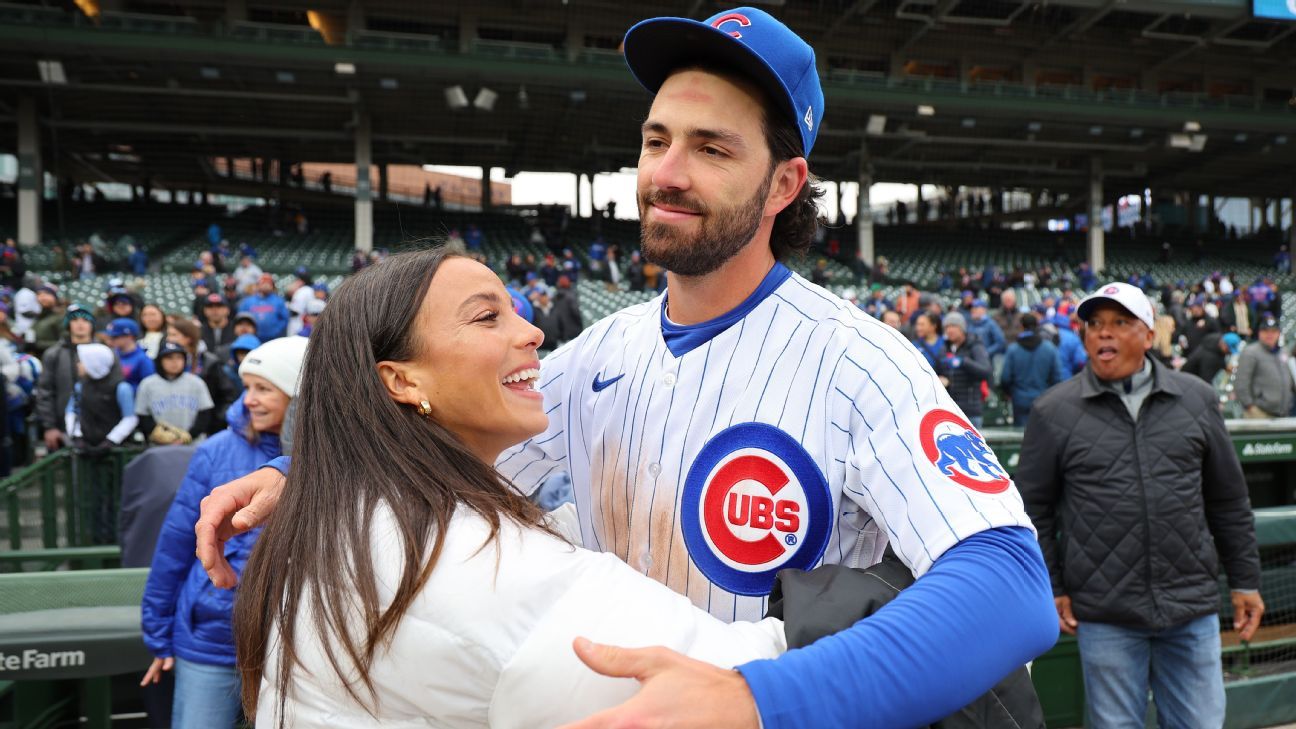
748	421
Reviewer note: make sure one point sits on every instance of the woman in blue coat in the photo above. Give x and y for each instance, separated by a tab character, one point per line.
186	619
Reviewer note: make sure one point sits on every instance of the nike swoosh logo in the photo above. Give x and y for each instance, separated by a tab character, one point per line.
600	385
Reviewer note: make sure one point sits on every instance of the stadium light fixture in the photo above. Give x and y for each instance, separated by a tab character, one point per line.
344	68
1192	127
456	98
51	72
485	99
876	124
285	77
926	110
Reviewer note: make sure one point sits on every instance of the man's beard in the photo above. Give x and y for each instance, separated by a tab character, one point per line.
723	234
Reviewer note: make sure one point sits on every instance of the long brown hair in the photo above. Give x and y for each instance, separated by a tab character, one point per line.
356	448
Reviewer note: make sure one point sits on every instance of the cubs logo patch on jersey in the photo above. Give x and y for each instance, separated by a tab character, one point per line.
959	452
754	502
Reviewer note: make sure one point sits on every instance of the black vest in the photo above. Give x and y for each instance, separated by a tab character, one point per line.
98	407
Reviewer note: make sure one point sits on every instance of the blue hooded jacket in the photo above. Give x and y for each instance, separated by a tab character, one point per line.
183	614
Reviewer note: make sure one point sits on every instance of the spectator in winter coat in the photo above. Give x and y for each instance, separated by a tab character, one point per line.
238	351
269	309
1264	385
965	366
153	324
206	365
173	397
1197	326
217	328
123	335
928	339
100	414
1031	366
983	326
59	376
1135	490
48	327
1212	355
185	620
1071	351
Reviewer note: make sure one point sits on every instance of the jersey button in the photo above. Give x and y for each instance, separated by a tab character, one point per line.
668	379
654	469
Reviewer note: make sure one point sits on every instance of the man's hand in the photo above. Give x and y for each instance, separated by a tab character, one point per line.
675	691
233	509
1066	620
53	439
1248	608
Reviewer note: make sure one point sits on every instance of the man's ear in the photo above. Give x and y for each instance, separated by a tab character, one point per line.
402	384
789	177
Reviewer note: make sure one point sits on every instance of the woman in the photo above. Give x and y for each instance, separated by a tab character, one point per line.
441	594
928	339
185	619
154	323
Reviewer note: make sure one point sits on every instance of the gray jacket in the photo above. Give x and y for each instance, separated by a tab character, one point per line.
54	387
1130	515
1263	380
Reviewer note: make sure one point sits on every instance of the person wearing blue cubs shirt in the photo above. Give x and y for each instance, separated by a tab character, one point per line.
124	335
747	421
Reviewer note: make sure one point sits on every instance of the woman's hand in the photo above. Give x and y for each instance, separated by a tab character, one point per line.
232	509
154	673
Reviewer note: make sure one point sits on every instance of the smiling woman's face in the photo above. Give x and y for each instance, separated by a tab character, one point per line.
476	362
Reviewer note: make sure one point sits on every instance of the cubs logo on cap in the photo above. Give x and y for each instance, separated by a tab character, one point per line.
959	452
745	40
1130	298
754	503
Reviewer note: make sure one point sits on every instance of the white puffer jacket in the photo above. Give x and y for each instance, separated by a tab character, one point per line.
487	643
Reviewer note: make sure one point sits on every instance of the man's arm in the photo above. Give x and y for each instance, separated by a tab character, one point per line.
977	362
1039	479
893	668
1242	384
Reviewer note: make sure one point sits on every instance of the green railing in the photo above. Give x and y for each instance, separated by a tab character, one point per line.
50	504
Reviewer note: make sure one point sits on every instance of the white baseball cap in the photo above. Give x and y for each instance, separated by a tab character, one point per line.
1130	297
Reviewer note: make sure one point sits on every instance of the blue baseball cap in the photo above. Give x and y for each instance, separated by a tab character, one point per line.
123	327
746	40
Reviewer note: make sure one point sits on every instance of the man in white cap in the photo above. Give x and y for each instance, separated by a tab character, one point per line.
1130	461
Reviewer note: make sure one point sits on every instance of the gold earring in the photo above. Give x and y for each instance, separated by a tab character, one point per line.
425	409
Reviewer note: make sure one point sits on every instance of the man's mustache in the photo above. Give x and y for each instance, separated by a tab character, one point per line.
673	199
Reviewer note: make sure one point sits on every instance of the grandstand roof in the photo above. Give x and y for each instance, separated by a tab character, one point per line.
1023	93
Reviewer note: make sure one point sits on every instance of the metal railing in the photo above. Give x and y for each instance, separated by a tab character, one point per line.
52	503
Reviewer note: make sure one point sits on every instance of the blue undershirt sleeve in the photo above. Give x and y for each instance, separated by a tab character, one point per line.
983	609
280	464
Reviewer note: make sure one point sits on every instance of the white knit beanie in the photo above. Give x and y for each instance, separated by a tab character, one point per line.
279	361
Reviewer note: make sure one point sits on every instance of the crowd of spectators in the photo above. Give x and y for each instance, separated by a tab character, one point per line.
126	370
987	340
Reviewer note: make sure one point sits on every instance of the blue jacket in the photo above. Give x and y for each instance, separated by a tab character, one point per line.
1071	352
183	614
1030	367
136	366
988	331
271	315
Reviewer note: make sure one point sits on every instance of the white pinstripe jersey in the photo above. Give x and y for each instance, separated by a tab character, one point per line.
794	430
